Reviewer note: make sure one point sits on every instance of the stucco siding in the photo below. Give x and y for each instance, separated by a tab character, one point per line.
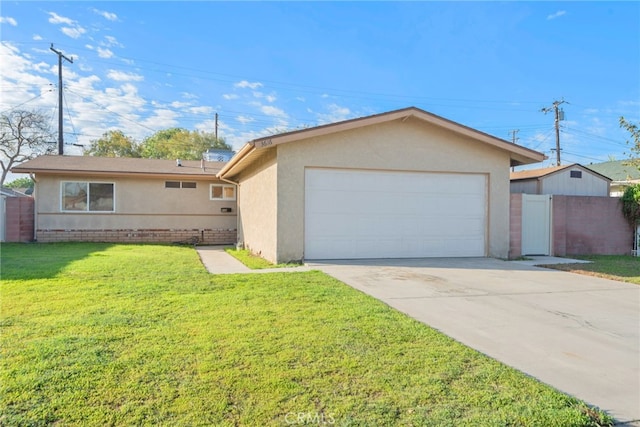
139	204
411	145
257	207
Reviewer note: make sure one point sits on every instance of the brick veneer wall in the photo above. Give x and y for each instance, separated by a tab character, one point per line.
581	225
206	236
515	226
19	219
590	225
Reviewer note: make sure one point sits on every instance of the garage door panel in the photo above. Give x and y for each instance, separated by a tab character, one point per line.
376	214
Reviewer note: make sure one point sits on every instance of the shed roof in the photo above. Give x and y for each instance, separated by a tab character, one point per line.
117	166
519	155
10	192
535	174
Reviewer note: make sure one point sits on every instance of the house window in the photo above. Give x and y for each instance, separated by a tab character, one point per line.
87	196
179	184
222	192
575	174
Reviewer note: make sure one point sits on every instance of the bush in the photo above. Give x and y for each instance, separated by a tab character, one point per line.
631	204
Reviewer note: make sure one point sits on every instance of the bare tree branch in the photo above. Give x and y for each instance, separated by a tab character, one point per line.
23	136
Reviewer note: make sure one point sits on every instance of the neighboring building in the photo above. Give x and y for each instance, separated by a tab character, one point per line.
84	198
568	180
621	173
401	184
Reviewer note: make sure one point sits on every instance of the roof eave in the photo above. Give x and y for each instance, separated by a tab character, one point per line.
236	160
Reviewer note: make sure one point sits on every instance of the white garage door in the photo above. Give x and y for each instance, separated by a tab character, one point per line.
378	214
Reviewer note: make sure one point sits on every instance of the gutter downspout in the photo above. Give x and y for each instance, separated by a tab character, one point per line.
237	184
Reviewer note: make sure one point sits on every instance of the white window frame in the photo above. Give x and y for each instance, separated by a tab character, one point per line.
87	210
223	186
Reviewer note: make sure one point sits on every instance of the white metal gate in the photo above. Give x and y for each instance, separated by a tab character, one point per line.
3	218
536	224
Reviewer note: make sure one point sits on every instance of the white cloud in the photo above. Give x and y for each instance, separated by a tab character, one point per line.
121	76
335	113
161	119
201	110
187	95
106	15
270	98
244	119
246	84
8	20
111	42
230	96
73	32
558	14
270	110
54	18
37	37
180	104
105	53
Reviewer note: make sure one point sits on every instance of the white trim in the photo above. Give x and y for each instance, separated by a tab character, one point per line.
223	186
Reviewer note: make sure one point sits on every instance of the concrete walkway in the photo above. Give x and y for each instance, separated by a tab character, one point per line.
217	261
579	334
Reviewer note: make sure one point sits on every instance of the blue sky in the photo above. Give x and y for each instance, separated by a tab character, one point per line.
268	67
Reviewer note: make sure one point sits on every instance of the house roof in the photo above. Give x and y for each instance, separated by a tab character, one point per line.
519	155
117	166
619	170
535	174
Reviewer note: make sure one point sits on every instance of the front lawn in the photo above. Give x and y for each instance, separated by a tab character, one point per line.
617	267
98	334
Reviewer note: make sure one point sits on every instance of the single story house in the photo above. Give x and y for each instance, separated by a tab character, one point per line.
567	180
84	198
621	173
401	184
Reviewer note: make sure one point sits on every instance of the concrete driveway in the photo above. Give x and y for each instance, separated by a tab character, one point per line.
577	333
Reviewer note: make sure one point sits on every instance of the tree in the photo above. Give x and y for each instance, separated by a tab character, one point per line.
634	130
113	143
179	143
23	136
20	183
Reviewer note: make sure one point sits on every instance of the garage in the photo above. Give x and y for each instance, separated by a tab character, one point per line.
400	184
351	213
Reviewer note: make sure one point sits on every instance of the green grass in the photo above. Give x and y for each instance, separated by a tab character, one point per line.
141	335
255	262
617	267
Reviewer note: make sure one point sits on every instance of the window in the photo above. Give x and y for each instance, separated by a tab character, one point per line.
179	184
575	174
87	196
222	192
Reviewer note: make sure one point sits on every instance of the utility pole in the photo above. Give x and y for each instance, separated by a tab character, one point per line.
559	114
514	139
216	133
513	133
60	116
